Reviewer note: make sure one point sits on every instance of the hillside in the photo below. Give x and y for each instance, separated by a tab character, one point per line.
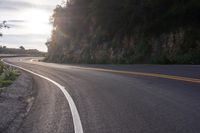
128	31
28	52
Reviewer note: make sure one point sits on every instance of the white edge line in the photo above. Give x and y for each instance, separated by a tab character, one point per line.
78	128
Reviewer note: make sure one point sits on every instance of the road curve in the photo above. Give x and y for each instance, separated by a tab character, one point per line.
110	102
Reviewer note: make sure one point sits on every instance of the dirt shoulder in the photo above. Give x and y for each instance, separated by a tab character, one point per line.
15	103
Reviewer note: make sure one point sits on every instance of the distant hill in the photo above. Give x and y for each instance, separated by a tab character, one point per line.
29	52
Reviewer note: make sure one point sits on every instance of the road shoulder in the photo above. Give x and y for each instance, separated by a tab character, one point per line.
15	103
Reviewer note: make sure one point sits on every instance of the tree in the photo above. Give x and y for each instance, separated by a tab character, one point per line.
124	32
3	25
22	47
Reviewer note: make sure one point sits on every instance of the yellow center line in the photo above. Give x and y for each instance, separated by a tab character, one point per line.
173	77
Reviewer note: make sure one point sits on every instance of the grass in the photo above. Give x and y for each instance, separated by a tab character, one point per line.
7	75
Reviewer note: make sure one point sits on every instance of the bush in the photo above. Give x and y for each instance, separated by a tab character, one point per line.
7	75
4	83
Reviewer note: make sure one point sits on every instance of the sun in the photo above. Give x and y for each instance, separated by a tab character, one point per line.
37	21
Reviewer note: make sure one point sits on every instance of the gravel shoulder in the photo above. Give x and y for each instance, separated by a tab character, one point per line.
15	103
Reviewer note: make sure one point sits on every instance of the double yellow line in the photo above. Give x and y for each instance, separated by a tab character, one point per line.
180	78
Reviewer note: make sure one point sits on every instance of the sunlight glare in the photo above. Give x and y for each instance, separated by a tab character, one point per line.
37	21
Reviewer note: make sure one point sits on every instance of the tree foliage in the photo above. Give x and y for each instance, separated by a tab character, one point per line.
22	48
128	31
3	25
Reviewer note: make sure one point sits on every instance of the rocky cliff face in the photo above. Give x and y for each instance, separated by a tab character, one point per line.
174	47
136	31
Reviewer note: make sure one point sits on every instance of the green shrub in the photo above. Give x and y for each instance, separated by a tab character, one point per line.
4	83
7	75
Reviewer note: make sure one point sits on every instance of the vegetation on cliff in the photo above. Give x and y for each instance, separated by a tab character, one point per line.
128	31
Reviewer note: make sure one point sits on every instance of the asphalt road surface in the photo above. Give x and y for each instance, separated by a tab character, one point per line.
114	98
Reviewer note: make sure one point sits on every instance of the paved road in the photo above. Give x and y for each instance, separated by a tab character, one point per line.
111	102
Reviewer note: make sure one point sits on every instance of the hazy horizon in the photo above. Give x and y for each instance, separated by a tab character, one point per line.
29	22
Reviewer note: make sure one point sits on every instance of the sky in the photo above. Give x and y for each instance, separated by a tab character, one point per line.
28	21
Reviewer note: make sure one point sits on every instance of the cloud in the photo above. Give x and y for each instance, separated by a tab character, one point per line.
15	23
33	41
41	36
20	32
20	5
